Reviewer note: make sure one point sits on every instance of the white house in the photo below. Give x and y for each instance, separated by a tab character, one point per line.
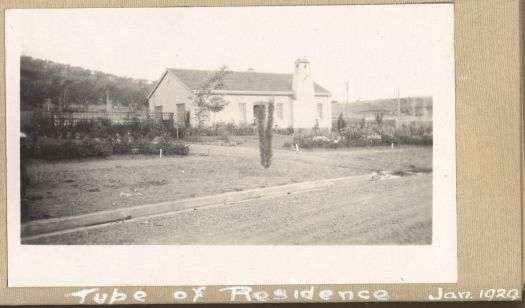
299	102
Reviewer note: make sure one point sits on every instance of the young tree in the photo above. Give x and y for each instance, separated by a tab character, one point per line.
206	101
265	129
187	119
316	128
341	123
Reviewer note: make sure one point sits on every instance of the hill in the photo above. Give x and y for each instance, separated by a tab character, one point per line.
71	87
387	106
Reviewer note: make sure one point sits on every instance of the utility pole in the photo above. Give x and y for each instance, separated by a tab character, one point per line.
398	122
346	106
347	92
108	102
413	102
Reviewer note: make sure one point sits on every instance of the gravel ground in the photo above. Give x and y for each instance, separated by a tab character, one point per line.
80	187
394	211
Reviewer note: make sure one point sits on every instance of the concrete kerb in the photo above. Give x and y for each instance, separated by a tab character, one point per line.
40	227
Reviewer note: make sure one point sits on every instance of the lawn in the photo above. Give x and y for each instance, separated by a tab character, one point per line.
396	211
78	187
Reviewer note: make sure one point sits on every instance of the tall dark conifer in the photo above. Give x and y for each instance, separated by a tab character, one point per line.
265	129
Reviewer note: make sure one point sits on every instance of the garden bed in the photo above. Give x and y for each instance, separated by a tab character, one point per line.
60	149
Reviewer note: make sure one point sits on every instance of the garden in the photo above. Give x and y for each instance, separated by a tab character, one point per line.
99	138
362	135
223	158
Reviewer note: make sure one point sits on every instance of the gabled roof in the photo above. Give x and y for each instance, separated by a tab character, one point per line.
240	81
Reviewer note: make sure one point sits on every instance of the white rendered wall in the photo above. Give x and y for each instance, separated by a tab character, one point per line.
169	93
231	114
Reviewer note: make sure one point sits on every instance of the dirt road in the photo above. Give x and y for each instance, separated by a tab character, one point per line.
383	212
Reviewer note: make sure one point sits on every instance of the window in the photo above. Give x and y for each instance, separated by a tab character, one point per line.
242	112
255	110
181	113
320	110
280	112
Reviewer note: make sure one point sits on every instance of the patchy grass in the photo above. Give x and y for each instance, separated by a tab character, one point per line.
399	213
78	187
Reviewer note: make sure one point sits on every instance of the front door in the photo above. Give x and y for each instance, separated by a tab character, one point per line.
255	110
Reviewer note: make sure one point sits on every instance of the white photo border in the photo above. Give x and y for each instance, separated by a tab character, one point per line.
154	265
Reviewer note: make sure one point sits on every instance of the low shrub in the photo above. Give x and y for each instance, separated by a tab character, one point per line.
60	149
284	131
93	148
225	138
244	130
316	142
193	138
413	135
175	148
122	148
168	148
145	147
219	129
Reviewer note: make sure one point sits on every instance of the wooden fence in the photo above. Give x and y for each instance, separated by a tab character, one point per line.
65	119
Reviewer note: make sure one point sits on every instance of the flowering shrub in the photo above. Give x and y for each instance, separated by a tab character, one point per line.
220	129
174	148
360	135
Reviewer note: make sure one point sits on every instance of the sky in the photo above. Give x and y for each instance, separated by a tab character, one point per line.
377	50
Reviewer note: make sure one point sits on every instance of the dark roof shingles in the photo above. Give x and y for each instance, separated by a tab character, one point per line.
242	81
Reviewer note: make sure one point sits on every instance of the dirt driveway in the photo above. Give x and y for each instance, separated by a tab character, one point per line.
393	211
79	187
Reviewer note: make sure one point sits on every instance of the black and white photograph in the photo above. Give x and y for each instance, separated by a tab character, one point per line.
322	127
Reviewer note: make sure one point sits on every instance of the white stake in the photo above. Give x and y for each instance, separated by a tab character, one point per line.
160	154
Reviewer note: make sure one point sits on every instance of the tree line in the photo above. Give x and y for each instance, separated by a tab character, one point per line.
67	87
